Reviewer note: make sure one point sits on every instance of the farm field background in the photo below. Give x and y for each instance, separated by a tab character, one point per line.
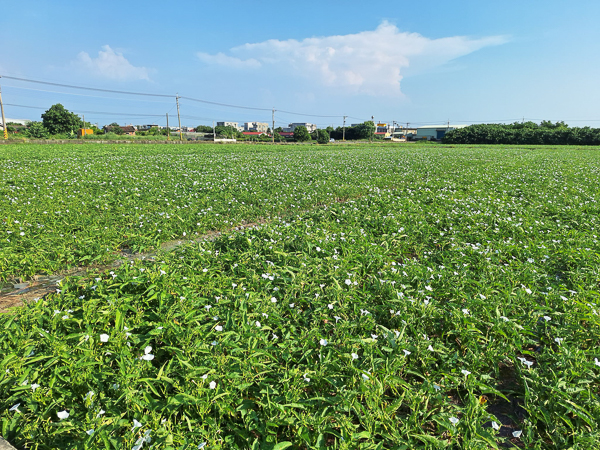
389	297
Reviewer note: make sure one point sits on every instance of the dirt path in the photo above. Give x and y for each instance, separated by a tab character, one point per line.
42	285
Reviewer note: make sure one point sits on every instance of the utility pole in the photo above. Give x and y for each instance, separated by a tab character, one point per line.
3	118
371	134
273	129
344	130
179	118
214	133
168	129
83	128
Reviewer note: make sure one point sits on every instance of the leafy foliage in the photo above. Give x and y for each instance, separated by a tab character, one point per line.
322	137
528	133
451	290
36	130
58	120
301	134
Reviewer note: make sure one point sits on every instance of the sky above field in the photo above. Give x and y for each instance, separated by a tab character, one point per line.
421	63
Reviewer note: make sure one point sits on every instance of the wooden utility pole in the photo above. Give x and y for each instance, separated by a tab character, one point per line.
344	130
273	129
214	133
179	118
168	129
3	118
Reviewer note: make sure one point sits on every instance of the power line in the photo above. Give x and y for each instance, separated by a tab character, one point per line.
78	94
224	104
92	112
48	83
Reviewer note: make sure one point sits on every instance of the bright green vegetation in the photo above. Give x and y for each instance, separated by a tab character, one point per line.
70	205
454	288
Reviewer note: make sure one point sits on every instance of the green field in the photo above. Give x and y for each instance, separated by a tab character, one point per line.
391	297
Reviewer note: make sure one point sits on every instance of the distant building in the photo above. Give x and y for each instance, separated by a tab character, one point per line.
256	126
309	126
146	127
127	129
435	132
230	124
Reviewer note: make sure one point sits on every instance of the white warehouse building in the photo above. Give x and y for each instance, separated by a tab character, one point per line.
434	132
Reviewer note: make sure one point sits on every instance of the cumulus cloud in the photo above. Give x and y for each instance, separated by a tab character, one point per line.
230	61
112	65
371	62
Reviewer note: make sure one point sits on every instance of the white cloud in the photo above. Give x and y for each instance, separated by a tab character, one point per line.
371	62
224	60
112	65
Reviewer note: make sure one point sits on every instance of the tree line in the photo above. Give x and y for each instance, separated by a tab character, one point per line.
519	133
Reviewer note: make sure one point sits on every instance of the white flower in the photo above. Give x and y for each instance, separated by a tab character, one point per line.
204	270
204	377
90	432
34	386
219	328
212	385
330	306
136	424
348	282
495	426
406	352
429	288
506	319
365	376
595	362
62	415
529	292
292	305
15	407
337	318
436	387
517	433
148	357
202	445
465	311
355	356
306	378
374	336
257	324
430	348
546	318
453	420
104	337
559	340
323	342
273	300
483	297
465	372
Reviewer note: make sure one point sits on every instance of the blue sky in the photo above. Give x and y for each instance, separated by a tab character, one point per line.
421	62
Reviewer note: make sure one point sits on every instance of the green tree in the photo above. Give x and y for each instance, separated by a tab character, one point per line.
301	134
37	130
115	128
203	129
365	130
322	137
228	132
58	120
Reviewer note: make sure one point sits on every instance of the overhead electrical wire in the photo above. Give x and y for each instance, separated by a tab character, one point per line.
49	83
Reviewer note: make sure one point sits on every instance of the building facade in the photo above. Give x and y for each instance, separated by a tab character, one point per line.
256	126
435	132
309	126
